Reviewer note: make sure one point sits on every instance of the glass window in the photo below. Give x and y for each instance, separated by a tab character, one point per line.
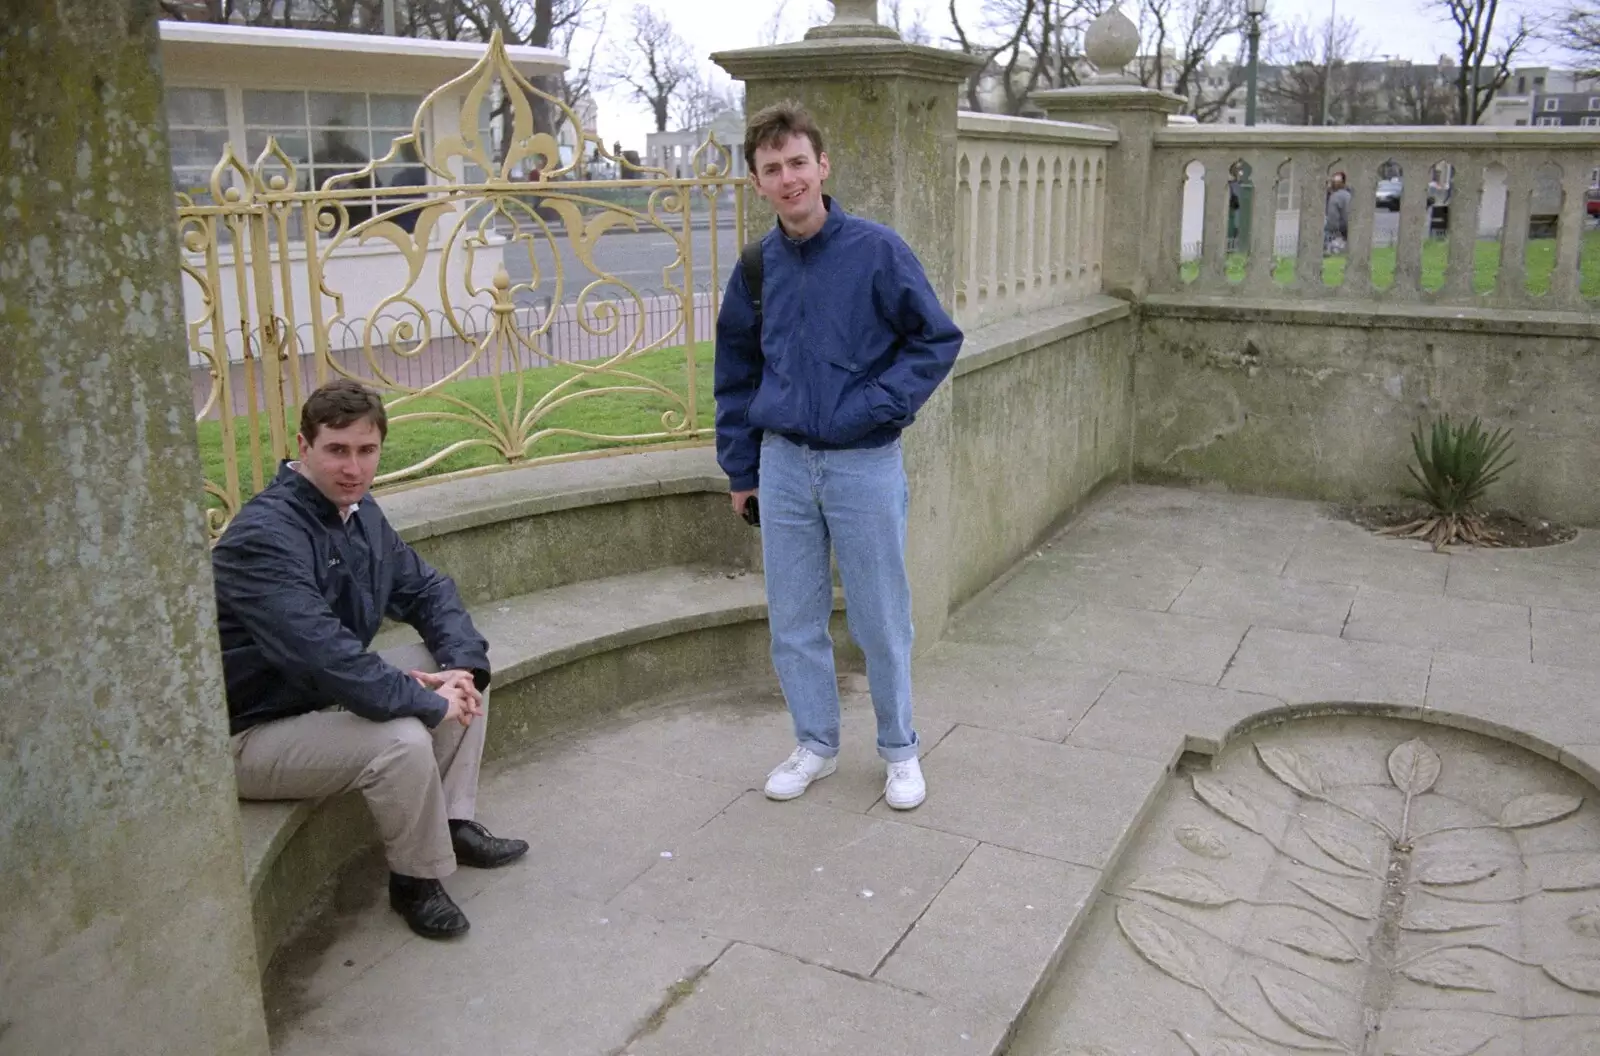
197	132
1549	122
1552	104
1594	102
331	134
1591	122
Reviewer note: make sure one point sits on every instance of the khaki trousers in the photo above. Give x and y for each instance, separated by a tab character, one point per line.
414	779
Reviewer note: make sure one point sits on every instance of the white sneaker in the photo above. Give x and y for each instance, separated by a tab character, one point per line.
790	780
905	788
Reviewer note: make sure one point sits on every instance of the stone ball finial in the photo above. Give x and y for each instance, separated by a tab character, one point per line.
1111	42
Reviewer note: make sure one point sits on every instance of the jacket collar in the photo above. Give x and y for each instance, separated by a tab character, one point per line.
306	494
830	226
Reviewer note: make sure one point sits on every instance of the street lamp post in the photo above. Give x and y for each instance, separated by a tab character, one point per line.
1253	10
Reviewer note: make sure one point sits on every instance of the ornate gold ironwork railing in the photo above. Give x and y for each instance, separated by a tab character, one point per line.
471	264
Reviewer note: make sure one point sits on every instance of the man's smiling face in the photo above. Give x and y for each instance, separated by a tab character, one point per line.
789	176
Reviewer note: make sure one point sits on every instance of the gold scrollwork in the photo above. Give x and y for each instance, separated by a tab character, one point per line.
482	264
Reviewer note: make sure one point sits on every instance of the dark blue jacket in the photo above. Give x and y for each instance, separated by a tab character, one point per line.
300	596
853	343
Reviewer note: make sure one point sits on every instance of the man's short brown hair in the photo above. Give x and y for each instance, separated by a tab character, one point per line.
340	403
772	127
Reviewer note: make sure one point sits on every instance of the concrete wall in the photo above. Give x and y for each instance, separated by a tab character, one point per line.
1319	401
1043	414
125	924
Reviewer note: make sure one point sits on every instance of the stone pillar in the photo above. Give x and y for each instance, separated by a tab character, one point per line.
1113	100
124	918
887	110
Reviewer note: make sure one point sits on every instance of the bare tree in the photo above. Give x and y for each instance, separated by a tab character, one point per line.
1421	95
1309	63
1026	45
912	29
702	99
1183	37
1578	32
654	65
1485	57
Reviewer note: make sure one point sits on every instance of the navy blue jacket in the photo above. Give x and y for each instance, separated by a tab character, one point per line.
301	593
852	344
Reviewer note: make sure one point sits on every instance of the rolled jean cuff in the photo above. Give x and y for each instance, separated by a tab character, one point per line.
900	755
819	749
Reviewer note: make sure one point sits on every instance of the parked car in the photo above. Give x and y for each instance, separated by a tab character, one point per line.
1592	202
1389	194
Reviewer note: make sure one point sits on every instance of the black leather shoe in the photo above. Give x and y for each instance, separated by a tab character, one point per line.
475	846
427	907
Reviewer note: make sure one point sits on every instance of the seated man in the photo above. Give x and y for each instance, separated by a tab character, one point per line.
305	575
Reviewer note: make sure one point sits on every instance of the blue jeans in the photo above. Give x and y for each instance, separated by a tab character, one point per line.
857	500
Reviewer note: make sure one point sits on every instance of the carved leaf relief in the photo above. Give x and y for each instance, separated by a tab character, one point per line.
1586	922
1443	918
1197	839
1336	845
1184	885
1449	870
1319	939
1574	873
1160	945
1580	973
1298	1008
1227	801
1224	1046
1527	811
1339	896
1448	971
1414	767
1292	768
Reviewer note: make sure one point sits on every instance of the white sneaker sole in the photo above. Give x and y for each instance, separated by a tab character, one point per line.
784	797
912	805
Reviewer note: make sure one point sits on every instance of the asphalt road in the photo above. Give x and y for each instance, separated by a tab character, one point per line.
640	260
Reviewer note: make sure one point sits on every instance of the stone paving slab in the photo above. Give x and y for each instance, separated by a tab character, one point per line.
1156	718
1344	554
1151	581
755	1002
1153	643
1522	702
1306	668
594	979
1268	601
994	932
1484	628
1005	688
1523	583
1566	639
736	737
827	886
600	822
1058	801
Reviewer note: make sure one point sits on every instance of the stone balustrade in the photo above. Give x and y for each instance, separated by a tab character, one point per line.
1031	196
1448	216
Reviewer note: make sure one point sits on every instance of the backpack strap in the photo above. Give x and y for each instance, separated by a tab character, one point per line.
750	259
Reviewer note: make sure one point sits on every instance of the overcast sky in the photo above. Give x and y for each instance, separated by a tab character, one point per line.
1407	29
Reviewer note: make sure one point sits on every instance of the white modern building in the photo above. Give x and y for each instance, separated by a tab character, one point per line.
675	151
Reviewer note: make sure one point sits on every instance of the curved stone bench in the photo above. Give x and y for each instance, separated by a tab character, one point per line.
579	646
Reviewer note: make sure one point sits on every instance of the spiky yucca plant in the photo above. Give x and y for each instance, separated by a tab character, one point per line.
1456	464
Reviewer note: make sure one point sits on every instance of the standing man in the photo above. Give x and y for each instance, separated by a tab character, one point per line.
305	575
1336	225
812	394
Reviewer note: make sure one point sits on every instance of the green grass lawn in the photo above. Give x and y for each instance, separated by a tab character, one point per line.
410	442
1541	262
